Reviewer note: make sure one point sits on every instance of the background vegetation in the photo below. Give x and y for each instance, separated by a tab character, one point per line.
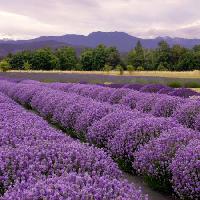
102	58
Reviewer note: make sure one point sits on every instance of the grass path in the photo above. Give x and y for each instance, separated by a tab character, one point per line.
169	74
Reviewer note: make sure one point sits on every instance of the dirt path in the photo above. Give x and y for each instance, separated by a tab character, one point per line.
153	195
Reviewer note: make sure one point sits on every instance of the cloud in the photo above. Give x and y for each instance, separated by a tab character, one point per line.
145	18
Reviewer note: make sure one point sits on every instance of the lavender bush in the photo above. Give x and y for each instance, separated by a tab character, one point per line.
183	92
135	133
152	88
165	90
165	106
133	86
117	95
187	113
154	159
101	131
75	186
186	171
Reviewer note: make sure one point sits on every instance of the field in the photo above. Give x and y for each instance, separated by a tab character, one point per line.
78	140
189	79
177	74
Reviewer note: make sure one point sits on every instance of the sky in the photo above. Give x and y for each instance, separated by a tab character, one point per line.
25	19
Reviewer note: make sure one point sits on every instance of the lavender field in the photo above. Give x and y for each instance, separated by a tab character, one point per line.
76	141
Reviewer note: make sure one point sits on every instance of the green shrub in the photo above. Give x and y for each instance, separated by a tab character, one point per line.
27	65
161	67
120	69
192	85
175	84
78	67
107	68
140	68
130	68
4	66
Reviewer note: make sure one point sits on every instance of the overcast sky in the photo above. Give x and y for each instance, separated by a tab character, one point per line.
23	19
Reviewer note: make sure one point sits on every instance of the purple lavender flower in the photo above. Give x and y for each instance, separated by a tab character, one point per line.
131	99
76	88
75	186
91	114
165	90
152	88
60	86
91	91
183	92
147	103
72	112
105	94
134	86
47	158
115	85
154	159
187	113
135	133
186	171
117	95
166	105
101	131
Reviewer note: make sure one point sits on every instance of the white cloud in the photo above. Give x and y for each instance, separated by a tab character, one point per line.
145	18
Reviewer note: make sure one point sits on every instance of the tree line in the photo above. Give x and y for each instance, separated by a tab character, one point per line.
164	57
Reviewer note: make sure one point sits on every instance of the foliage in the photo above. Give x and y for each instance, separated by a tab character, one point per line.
140	68
175	84
120	69
162	58
86	59
113	56
4	65
130	68
107	68
161	67
66	58
44	59
158	147
27	65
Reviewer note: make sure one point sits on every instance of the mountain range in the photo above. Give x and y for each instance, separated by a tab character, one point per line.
123	41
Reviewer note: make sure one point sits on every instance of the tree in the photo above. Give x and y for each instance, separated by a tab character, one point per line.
67	58
139	60
164	54
113	56
176	52
43	59
99	57
86	60
136	56
196	48
17	61
131	57
149	60
189	61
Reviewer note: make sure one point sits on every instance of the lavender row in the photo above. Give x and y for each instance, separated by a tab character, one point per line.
147	143
39	162
185	112
157	88
159	105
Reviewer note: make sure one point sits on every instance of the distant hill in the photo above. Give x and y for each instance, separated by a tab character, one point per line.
17	46
123	41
